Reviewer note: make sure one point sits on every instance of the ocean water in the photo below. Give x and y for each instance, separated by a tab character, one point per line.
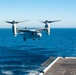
18	57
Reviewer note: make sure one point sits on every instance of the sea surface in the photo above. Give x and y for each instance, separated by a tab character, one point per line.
19	57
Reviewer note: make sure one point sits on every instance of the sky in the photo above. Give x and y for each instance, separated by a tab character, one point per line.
35	10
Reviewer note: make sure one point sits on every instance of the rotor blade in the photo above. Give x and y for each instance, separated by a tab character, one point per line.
8	21
40	20
22	21
14	22
53	21
46	21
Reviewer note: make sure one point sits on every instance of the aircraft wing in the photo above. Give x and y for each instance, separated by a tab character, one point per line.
31	30
27	30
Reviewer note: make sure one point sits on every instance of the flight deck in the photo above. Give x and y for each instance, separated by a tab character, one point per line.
61	66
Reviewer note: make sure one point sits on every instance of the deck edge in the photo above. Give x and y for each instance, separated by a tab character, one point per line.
48	67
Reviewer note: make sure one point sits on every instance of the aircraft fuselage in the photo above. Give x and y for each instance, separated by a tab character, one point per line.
28	35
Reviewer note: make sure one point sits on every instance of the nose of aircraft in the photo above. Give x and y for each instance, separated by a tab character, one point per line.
39	35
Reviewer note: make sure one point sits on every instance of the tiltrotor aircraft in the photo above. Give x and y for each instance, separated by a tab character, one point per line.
31	33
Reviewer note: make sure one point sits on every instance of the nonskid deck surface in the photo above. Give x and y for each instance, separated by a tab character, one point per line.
61	66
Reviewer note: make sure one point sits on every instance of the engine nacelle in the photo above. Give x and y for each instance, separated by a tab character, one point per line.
14	30
47	26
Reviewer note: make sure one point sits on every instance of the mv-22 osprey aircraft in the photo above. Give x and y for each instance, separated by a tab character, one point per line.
31	33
